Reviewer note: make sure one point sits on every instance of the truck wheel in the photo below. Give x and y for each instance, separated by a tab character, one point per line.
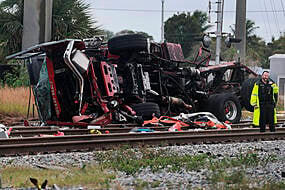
124	43
245	93
146	110
226	107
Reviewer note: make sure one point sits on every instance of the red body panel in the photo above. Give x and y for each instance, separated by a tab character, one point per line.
108	79
53	87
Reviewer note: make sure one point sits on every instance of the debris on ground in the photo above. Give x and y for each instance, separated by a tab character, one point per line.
59	133
4	132
204	120
141	130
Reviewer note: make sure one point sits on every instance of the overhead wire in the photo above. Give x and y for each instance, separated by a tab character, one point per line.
283	7
267	16
275	17
265	10
175	11
264	22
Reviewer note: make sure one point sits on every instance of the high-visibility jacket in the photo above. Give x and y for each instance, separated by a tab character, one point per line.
254	101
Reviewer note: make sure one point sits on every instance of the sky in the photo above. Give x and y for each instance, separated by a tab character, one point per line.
145	15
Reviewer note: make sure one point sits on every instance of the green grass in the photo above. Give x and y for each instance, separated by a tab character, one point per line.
89	176
246	160
229	173
237	179
14	108
129	161
223	172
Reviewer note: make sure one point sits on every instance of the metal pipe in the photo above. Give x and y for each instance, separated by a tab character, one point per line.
67	60
220	4
162	20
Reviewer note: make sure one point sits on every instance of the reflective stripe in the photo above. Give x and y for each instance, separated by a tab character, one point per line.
275	88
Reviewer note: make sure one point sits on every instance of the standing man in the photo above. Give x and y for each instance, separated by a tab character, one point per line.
264	98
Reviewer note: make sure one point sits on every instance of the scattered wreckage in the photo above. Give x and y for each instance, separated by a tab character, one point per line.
129	79
4	131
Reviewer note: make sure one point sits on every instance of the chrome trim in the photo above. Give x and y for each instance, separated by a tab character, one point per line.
68	62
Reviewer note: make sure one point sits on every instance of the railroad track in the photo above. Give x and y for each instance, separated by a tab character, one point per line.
20	131
34	145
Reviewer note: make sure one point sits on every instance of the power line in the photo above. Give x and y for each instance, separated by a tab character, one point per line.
254	11
175	11
282	7
275	16
265	11
265	25
267	16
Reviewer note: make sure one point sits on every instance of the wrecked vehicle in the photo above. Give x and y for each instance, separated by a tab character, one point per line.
128	79
178	85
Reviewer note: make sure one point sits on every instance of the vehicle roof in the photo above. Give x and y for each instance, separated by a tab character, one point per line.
41	48
232	64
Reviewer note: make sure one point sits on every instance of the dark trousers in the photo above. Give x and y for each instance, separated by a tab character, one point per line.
266	117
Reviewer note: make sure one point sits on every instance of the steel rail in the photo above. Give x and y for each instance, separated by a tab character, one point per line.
126	125
33	131
280	120
102	142
89	136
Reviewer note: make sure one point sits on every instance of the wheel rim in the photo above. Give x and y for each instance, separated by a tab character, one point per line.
230	110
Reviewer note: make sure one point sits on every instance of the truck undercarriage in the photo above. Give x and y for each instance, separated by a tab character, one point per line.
129	79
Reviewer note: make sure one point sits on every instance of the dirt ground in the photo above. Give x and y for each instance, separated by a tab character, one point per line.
9	120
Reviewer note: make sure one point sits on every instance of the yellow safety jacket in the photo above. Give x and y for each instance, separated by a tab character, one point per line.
254	101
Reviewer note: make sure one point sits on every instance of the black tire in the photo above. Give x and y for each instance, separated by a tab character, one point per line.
124	43
245	93
146	110
226	107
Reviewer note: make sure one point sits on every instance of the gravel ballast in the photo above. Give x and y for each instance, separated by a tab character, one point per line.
271	172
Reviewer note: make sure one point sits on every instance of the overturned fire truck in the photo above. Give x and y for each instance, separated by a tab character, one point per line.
130	79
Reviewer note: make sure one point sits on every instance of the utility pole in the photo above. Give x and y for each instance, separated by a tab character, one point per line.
240	27
36	22
162	20
220	7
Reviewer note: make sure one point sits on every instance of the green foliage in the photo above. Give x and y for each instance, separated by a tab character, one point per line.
274	47
183	28
237	179
223	172
241	160
232	180
257	50
91	177
227	54
129	161
274	186
11	27
70	19
18	77
229	173
134	32
140	185
107	34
